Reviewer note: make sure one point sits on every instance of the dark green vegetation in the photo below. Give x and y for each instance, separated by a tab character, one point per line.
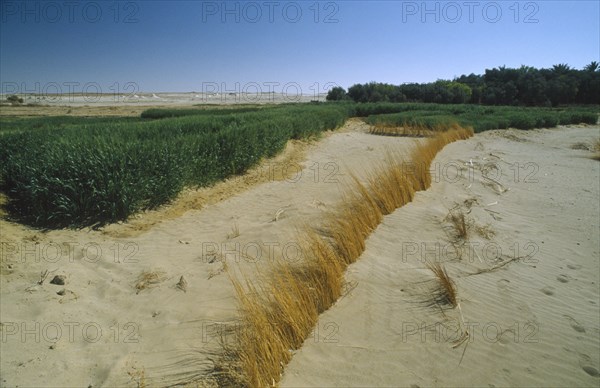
16	124
103	171
161	113
483	118
526	86
74	171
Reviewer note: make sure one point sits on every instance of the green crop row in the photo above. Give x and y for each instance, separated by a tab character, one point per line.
74	171
483	118
102	173
162	113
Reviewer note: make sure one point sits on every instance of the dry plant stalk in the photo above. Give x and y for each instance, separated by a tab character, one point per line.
235	231
219	271
149	279
497	266
458	220
485	231
43	276
279	311
182	284
446	293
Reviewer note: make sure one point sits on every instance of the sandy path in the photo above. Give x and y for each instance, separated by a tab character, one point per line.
102	332
533	322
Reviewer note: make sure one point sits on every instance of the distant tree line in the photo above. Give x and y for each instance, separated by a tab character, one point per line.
526	85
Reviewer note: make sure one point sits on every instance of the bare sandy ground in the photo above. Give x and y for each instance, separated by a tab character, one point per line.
532	322
124	314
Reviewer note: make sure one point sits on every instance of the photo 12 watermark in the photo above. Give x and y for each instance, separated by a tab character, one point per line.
470	252
73	91
270	12
323	332
470	11
489	332
315	172
252	251
68	252
265	91
49	12
454	171
53	332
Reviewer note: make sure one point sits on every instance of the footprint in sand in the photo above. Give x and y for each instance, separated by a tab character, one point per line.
584	361
574	324
548	290
573	266
590	370
562	278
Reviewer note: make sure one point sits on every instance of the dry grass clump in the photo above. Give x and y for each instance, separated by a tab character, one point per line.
404	130
445	294
593	146
235	231
391	185
485	231
596	148
581	146
279	312
348	227
412	129
460	226
148	279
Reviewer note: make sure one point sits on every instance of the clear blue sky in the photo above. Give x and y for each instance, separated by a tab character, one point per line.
185	45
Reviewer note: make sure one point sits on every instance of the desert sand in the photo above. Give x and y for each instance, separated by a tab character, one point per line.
132	104
125	315
532	322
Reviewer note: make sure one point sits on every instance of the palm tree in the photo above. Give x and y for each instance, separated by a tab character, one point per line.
592	67
561	68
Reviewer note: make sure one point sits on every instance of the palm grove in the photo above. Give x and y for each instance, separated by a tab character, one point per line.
526	85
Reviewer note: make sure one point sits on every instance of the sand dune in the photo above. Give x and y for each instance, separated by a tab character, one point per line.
126	315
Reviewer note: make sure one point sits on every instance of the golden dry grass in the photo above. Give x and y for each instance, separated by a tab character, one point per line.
279	311
445	293
402	130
